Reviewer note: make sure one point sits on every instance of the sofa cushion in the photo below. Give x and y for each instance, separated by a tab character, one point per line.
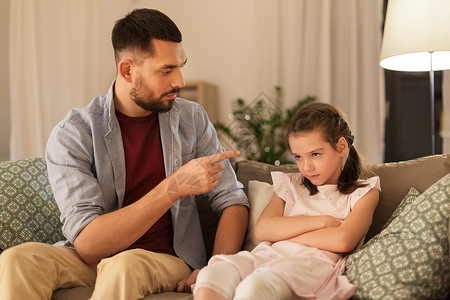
28	211
409	259
252	170
396	180
409	198
259	195
85	293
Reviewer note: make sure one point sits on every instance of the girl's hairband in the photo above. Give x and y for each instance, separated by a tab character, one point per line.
349	140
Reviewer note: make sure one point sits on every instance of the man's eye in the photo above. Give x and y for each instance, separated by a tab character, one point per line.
166	71
297	157
315	154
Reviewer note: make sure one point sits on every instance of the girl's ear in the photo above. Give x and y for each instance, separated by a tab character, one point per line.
342	146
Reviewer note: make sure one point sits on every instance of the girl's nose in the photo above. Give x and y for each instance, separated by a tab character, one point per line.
307	165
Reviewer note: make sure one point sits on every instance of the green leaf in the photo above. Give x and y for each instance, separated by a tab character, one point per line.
261	125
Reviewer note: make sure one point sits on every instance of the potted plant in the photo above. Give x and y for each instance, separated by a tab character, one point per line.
258	129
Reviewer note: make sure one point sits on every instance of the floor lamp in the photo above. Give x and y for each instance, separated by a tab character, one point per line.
416	38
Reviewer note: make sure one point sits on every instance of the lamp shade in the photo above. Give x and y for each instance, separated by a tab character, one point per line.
416	35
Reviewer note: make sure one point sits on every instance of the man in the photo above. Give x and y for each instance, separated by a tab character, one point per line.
124	171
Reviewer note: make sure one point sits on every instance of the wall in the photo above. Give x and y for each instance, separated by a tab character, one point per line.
4	81
233	44
220	39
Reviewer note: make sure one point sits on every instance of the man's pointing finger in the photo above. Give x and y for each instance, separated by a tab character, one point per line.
215	158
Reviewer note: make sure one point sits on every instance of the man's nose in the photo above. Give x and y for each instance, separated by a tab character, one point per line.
177	80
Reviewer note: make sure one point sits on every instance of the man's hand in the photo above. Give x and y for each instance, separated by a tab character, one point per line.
198	176
185	284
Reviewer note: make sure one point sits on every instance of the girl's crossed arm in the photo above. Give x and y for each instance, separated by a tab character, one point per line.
344	238
272	226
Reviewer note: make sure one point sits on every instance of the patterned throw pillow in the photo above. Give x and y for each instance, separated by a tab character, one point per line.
28	211
409	198
409	259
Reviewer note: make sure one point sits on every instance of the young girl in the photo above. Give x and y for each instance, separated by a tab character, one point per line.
312	220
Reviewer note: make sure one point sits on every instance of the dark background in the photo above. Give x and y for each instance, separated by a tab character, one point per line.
408	115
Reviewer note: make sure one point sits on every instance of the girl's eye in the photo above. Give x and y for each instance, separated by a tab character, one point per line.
315	154
297	157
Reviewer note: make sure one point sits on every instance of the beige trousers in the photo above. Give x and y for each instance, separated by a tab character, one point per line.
34	270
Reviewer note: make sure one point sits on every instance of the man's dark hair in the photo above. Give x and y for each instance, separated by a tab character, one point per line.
137	29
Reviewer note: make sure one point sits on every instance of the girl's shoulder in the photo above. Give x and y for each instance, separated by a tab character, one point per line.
368	184
284	178
285	183
372	182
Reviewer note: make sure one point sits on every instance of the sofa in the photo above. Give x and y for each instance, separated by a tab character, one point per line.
406	250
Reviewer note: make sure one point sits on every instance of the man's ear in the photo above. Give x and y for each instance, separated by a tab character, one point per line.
342	146
125	69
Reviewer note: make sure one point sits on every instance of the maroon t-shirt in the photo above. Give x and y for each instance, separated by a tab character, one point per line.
144	170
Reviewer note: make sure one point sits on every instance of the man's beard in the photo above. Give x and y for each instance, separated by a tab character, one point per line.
151	103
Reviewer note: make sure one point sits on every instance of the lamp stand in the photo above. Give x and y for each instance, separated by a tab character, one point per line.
432	100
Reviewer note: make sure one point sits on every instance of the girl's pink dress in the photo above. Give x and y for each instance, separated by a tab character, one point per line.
310	273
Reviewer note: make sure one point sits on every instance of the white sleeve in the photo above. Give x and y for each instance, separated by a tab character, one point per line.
373	182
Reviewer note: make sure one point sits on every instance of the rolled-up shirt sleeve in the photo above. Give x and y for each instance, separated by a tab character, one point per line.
76	190
80	165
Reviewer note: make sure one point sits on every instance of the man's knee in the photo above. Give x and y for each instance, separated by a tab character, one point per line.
23	262
128	264
20	254
121	263
139	270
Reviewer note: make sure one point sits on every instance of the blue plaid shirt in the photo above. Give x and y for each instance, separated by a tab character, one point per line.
86	168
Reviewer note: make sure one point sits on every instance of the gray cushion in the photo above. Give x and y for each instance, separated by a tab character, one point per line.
396	180
28	211
409	259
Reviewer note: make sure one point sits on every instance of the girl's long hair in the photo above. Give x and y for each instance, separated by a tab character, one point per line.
329	119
